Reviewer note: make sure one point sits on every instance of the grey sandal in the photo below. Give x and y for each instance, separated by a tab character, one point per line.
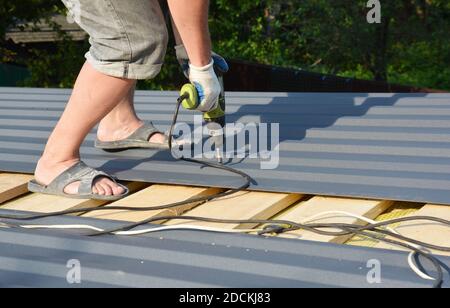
80	172
139	139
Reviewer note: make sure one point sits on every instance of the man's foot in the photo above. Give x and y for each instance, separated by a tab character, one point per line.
47	171
109	134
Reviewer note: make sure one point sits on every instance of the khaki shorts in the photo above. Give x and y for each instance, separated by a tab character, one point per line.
128	38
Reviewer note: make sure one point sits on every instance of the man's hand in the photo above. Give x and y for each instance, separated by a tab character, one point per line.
207	84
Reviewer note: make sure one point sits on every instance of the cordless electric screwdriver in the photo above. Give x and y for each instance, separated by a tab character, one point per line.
215	118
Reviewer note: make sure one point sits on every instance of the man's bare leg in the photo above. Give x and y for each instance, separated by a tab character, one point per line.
122	121
93	97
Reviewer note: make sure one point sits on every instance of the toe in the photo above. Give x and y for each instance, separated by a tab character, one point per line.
158	138
118	190
72	188
107	188
100	189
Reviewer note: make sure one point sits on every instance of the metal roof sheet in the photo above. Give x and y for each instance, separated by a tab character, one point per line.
181	259
382	146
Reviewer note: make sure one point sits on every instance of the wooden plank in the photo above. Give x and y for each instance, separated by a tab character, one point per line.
13	185
316	205
426	231
399	209
41	203
155	195
243	205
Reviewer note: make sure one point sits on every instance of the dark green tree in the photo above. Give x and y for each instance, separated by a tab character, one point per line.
13	12
411	45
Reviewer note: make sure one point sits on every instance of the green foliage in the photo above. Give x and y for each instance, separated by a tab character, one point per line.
334	37
411	46
58	67
13	11
426	61
243	29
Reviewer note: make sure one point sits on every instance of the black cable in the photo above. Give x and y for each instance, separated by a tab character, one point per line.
316	228
371	227
286	226
438	280
348	229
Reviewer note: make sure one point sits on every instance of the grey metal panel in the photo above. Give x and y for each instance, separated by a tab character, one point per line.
383	146
191	259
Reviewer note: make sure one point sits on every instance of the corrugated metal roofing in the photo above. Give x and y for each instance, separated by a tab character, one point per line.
191	259
382	146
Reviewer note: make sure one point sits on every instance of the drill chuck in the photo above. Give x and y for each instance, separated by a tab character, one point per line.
191	101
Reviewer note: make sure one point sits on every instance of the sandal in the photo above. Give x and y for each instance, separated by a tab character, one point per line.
139	139
80	172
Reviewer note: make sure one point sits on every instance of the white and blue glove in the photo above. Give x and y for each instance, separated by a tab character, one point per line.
220	64
203	78
207	84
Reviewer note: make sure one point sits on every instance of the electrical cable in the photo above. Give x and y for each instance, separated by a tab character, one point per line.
440	273
347	229
275	229
140	232
411	262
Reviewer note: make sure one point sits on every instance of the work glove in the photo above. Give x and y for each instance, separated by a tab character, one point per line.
203	78
220	64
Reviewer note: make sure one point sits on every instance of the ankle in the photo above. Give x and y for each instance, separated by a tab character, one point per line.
46	163
47	169
108	131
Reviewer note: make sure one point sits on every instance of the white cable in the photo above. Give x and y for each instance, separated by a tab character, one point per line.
319	216
411	262
185	227
140	232
63	227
